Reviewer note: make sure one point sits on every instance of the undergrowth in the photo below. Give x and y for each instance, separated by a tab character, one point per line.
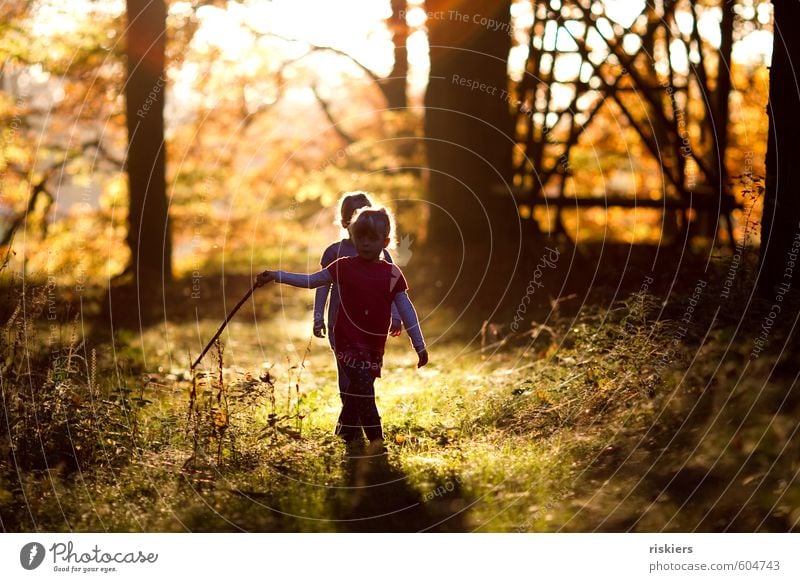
623	417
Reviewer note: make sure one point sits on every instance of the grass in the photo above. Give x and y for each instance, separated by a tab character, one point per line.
611	420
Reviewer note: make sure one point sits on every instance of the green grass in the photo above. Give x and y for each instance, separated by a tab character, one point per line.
584	428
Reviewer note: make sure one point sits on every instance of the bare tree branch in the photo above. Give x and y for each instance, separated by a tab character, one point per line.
334	124
39	187
316	48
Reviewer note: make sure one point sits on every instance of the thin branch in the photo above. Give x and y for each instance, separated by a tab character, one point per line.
610	89
122	164
334	124
40	187
316	48
646	90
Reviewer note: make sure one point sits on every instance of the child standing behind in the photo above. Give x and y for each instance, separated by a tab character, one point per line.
348	205
368	286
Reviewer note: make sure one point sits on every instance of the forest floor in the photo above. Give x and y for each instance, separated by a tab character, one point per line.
617	417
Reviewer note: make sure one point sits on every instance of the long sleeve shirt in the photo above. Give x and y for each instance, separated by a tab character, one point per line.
405	308
342	248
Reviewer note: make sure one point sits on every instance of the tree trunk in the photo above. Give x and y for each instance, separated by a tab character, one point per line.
149	235
468	124
394	87
721	109
780	223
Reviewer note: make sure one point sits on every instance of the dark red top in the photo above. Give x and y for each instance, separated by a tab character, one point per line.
366	291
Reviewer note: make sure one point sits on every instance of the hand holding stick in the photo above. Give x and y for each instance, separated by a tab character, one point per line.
264	278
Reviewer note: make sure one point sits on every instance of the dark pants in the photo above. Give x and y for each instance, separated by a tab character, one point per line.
358	404
344	381
341	375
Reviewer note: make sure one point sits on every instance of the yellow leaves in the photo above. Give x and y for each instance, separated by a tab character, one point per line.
14	192
14	153
115	194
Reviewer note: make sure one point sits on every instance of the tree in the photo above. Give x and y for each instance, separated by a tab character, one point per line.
781	218
63	133
394	87
149	235
468	124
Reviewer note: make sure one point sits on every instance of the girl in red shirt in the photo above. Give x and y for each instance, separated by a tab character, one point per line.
348	205
368	286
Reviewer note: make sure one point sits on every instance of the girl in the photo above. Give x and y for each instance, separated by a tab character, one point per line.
368	286
348	205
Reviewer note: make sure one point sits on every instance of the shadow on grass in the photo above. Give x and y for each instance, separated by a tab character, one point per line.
380	499
358	492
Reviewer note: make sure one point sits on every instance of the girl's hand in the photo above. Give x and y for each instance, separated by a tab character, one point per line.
423	357
264	278
319	328
396	328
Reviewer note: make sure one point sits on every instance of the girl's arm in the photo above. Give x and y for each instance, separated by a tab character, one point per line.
320	300
396	327
409	316
317	279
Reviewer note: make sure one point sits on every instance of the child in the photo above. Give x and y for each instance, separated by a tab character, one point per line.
368	285
348	205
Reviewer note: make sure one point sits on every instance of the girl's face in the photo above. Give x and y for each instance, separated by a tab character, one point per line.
369	245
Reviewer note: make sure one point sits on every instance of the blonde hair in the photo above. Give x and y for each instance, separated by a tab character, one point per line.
377	221
349	203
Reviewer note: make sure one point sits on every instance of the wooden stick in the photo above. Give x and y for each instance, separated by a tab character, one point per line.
224	323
